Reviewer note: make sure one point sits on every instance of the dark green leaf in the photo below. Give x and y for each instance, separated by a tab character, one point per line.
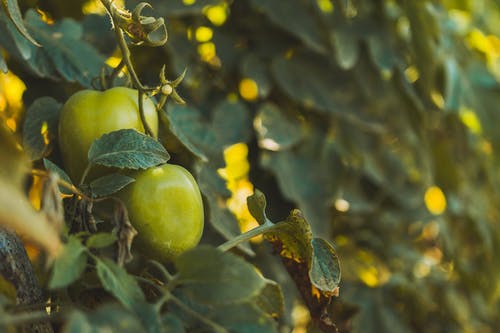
12	9
210	276
109	184
303	79
40	127
63	55
171	323
127	148
292	237
119	283
107	318
231	123
243	318
277	129
270	300
325	267
77	323
69	265
187	126
100	240
258	70
296	17
49	166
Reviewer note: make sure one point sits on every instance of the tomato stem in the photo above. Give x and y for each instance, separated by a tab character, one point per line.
261	229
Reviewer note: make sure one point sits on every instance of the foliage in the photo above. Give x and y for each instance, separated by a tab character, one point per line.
376	119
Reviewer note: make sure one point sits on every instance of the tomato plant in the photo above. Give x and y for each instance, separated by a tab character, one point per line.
88	114
165	206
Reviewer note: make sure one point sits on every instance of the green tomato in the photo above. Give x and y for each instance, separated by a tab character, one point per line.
89	114
165	206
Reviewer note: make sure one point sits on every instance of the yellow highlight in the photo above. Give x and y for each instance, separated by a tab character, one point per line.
207	51
189	2
203	34
236	175
325	6
435	200
489	45
96	7
11	99
470	119
217	15
412	74
249	89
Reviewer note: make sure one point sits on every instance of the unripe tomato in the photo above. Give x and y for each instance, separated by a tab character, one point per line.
165	206
89	114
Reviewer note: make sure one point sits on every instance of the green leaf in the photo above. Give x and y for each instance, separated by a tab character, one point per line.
78	323
295	16
231	123
212	277
107	318
257	206
109	184
258	70
186	125
325	267
49	166
100	240
243	318
127	148
171	323
119	283
292	238
14	13
64	54
12	40
271	300
277	129
40	127
69	265
303	79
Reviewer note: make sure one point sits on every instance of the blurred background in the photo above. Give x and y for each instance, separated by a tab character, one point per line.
377	118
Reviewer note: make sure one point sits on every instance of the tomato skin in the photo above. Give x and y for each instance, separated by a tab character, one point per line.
165	206
88	114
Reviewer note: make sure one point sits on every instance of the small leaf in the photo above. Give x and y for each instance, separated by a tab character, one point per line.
292	237
325	267
109	184
77	322
40	127
14	13
49	166
69	265
210	276
270	299
117	281
257	206
127	148
100	240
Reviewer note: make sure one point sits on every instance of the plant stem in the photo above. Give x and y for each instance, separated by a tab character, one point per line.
122	43
61	182
246	236
85	173
147	129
